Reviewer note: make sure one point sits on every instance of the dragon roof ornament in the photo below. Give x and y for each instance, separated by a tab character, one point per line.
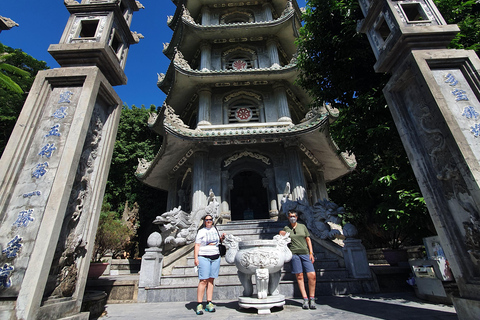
186	15
180	61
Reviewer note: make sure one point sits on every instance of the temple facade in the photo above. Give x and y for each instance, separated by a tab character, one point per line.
234	121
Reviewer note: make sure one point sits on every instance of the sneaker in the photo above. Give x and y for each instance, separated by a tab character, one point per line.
210	307
305	304
313	305
199	309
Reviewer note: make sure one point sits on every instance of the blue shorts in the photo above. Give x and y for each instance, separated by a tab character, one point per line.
299	260
208	268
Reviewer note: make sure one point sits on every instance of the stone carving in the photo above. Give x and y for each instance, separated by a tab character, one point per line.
143	166
172	118
139	5
63	274
169	19
70	2
253	155
186	15
472	238
180	60
262	258
179	228
316	217
288	8
160	78
137	36
152	118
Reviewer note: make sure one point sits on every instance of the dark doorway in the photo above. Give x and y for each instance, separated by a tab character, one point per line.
248	197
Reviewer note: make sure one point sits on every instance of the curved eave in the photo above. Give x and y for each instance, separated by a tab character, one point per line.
180	84
195	6
171	152
334	164
188	35
178	141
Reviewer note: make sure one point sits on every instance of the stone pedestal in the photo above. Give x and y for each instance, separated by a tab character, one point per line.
355	257
262	305
151	269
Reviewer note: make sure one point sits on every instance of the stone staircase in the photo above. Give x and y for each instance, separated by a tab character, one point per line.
179	280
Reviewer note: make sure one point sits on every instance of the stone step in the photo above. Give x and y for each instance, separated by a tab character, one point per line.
233	291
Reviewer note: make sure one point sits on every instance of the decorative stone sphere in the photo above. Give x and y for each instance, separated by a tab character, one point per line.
349	230
154	240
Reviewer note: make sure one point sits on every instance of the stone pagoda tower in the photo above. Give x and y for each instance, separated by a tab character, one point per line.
233	121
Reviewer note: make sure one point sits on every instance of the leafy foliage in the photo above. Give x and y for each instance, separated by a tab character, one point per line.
113	235
382	197
466	14
19	70
134	140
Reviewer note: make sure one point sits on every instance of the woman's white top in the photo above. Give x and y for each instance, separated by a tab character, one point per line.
209	241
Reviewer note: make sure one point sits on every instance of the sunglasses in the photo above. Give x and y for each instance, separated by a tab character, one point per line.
208	219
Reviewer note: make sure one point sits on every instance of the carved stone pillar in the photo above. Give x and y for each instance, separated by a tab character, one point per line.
297	180
199	197
204	106
206	16
206	57
267	12
225	212
282	103
272	194
321	186
172	194
273	53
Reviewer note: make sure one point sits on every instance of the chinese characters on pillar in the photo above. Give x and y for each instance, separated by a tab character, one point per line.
26	215
461	97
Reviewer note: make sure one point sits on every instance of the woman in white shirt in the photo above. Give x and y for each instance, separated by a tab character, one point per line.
207	258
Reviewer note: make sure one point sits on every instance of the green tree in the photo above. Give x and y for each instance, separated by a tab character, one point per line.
134	140
382	197
18	68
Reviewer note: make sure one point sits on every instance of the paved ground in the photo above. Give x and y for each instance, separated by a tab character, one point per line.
389	306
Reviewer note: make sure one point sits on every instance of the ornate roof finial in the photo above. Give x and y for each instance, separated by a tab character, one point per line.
137	36
139	5
186	15
180	60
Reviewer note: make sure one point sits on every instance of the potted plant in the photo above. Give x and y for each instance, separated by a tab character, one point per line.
113	235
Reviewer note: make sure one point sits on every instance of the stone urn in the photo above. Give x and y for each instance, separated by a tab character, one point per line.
264	259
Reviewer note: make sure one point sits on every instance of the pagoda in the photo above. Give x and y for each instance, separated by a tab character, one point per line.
234	121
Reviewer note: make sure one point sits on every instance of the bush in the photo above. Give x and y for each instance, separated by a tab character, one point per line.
113	236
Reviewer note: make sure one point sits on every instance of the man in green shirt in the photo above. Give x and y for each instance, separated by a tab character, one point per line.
302	258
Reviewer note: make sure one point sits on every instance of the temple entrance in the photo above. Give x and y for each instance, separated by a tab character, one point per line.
248	197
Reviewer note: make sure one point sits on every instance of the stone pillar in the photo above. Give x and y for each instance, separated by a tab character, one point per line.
199	178
225	212
297	180
206	16
172	194
433	98
282	103
273	53
151	267
272	193
59	155
321	186
204	106
267	12
205	57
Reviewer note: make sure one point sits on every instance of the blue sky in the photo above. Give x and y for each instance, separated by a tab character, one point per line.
41	23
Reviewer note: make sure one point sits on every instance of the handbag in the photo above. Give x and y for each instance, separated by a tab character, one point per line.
221	246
